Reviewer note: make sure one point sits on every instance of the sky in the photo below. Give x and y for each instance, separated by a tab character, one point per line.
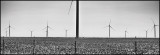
134	16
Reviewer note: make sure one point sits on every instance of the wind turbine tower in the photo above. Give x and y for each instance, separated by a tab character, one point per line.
110	28
154	26
66	32
47	28
146	33
9	27
31	33
155	30
126	33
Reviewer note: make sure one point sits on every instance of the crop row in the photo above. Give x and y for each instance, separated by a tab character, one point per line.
49	47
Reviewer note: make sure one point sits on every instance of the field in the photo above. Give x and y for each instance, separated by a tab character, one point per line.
62	45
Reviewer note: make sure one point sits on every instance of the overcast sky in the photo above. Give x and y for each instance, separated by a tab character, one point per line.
94	16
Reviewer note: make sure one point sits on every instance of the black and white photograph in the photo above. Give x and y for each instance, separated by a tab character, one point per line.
80	27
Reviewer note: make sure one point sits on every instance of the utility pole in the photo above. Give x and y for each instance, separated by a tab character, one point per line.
77	22
77	18
3	51
75	48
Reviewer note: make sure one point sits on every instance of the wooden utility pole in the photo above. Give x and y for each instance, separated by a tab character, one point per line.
77	18
3	51
75	48
77	22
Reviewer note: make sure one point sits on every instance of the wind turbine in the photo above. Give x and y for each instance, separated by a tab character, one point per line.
154	26
66	32
135	37
110	27
126	33
9	28
31	33
147	33
47	29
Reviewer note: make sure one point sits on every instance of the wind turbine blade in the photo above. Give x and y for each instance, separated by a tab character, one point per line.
127	31
147	29
6	28
70	7
44	28
152	28
152	21
51	28
106	26
113	28
12	27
